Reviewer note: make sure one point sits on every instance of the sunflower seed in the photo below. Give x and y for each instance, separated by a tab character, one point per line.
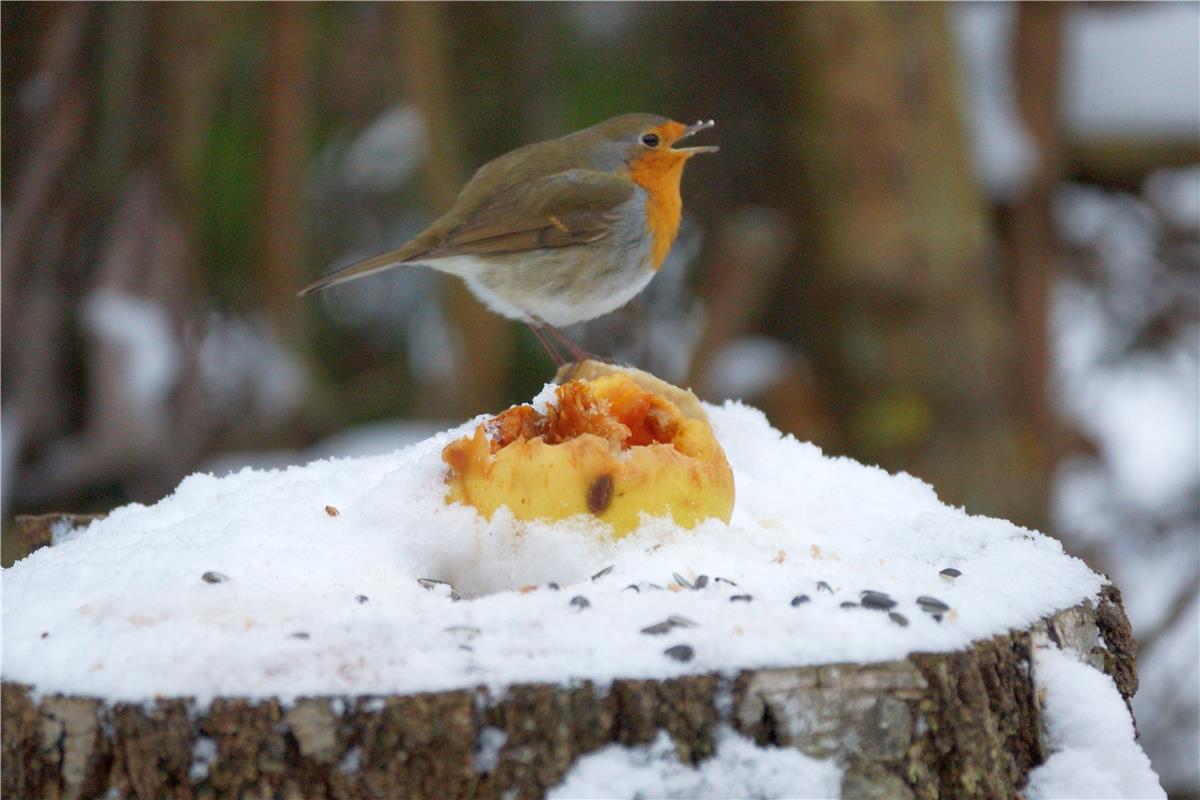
932	605
849	604
799	599
950	572
680	652
877	601
741	598
603	572
553	585
214	577
658	628
682	581
899	619
298	635
361	598
701	582
580	602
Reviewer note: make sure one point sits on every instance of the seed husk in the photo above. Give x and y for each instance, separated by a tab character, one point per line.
430	583
932	605
680	652
580	602
469	630
701	582
898	618
214	577
682	581
741	598
604	572
877	601
822	586
361	598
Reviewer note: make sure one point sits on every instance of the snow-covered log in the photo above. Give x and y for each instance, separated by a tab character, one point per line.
338	631
962	724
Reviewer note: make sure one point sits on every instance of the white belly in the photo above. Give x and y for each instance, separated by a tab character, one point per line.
553	287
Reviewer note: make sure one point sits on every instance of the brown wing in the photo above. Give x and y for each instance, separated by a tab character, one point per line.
568	208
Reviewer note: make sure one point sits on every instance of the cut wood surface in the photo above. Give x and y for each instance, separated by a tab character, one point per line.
932	725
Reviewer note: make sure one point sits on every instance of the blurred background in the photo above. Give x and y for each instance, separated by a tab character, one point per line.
963	242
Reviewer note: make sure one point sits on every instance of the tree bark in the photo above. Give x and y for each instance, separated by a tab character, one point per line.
288	116
1030	246
485	345
900	317
934	725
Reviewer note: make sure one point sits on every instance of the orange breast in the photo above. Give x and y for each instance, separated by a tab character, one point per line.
659	173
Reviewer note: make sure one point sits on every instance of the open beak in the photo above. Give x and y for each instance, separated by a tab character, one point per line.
691	130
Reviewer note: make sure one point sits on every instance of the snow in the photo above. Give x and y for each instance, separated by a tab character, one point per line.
142	330
243	363
1127	71
1090	736
747	366
368	439
1002	150
204	753
387	152
1133	504
1142	411
318	604
739	769
491	740
1133	70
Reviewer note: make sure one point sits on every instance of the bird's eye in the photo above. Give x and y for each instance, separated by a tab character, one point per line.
650	140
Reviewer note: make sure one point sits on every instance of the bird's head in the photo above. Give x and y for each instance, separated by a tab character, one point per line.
646	142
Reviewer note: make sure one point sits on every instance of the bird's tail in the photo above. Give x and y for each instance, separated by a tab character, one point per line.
393	258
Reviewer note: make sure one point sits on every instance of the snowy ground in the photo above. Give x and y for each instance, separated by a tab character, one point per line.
248	585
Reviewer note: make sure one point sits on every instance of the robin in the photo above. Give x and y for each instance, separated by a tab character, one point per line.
559	231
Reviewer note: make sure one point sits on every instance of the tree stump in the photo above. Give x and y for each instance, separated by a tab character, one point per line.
933	725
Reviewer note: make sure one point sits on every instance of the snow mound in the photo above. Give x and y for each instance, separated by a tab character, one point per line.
739	769
1093	752
307	581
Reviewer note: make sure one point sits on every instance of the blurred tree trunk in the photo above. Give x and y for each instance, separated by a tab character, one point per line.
900	317
1027	235
289	92
484	347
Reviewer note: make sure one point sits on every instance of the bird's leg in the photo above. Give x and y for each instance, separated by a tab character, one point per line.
577	352
547	345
